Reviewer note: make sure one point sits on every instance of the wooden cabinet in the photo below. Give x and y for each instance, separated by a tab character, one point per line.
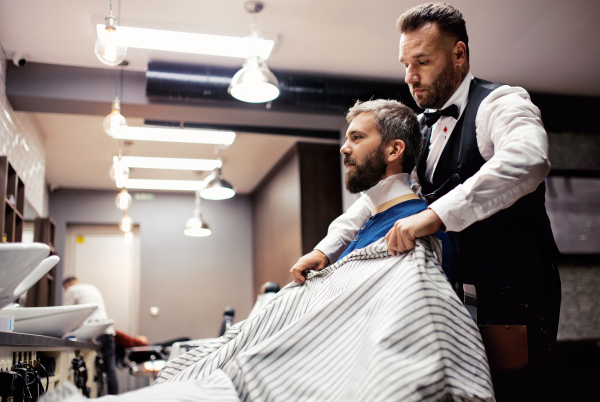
42	293
12	194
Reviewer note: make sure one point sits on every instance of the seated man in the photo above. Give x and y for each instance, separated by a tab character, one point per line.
370	327
382	145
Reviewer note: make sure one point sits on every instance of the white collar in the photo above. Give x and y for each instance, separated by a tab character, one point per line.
389	188
460	97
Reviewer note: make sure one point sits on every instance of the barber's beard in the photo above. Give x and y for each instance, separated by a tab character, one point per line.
441	89
366	174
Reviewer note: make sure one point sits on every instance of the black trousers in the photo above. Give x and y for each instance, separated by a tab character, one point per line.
107	348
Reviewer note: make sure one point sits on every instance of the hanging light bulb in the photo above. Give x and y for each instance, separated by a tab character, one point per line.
254	83
110	46
218	188
123	200
195	227
114	122
119	172
126	223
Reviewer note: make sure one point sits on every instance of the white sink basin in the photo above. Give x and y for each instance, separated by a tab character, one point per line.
50	321
90	330
21	266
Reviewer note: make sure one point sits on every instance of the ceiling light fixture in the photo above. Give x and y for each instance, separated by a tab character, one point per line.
123	200
168	185
217	188
110	47
195	136
195	43
126	223
171	163
195	226
114	122
254	83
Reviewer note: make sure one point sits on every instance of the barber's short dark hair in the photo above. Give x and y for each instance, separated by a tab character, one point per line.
394	121
68	280
448	19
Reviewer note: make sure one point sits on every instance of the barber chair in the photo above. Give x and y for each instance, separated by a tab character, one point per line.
147	361
227	320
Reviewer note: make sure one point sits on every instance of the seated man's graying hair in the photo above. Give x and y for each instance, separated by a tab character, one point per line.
394	121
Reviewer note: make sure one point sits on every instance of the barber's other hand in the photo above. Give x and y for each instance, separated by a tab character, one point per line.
315	260
403	234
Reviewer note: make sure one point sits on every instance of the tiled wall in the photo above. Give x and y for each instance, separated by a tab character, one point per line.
580	307
573	205
22	141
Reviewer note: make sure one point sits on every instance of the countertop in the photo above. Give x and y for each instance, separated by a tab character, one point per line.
19	339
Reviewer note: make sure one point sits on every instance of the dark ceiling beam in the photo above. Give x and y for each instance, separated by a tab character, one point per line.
80	90
49	88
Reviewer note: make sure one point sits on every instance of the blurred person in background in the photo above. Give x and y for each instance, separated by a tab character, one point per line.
84	293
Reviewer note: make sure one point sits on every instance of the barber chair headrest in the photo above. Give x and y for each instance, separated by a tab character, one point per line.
271	287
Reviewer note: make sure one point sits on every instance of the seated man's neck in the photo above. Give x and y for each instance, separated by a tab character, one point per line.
390	191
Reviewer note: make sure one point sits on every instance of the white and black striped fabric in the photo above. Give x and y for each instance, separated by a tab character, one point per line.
215	388
371	327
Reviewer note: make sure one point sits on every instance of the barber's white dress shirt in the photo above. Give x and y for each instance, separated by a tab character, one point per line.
511	139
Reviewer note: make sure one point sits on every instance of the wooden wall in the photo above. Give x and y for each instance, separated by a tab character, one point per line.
292	209
321	191
276	223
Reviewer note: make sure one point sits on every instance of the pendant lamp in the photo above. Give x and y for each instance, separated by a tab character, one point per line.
110	47
119	172
218	188
126	223
195	227
114	122
254	83
123	200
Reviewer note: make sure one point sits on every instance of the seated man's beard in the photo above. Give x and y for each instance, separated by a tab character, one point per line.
367	174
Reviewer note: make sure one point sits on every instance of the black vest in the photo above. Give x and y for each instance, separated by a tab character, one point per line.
511	249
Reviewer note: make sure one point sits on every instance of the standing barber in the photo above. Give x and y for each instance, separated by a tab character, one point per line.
482	170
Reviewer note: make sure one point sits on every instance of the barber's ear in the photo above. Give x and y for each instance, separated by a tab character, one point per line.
460	53
396	150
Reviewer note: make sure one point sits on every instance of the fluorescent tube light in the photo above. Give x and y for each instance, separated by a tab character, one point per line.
186	42
176	135
170	163
175	185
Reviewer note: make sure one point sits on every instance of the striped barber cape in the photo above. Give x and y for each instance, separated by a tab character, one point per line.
371	327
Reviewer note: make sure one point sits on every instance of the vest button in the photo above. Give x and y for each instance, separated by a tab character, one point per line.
356	238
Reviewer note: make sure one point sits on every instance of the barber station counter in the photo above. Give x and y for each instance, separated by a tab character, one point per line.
26	348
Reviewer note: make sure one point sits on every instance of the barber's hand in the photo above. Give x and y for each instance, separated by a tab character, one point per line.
403	234
315	260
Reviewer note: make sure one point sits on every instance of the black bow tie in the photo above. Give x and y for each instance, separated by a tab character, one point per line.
432	118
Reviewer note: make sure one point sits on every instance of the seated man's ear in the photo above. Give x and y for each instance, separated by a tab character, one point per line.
396	151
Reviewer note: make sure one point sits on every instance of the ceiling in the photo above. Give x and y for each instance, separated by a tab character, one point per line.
542	45
79	154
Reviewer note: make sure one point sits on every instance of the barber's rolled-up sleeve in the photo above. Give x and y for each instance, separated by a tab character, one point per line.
513	141
343	229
